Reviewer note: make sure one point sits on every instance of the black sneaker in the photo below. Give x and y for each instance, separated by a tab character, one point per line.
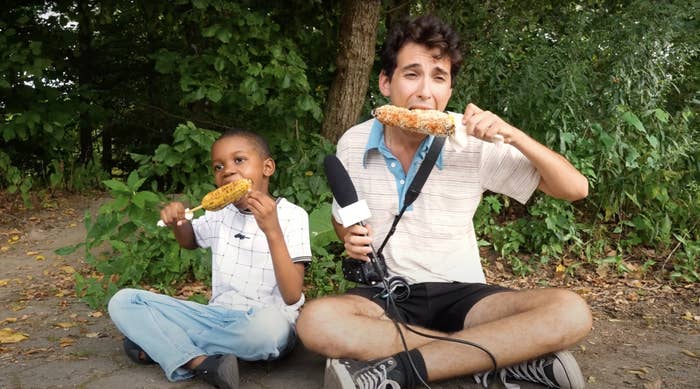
351	374
220	371
558	370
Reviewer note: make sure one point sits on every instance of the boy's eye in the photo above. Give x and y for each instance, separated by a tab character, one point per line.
218	167
239	160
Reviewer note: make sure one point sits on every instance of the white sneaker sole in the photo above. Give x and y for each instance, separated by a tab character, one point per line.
568	375
337	376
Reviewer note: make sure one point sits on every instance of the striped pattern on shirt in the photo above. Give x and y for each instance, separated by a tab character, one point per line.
435	239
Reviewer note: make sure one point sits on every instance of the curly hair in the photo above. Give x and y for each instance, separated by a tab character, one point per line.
425	30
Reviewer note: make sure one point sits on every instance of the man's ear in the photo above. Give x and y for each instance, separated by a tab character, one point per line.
384	84
268	167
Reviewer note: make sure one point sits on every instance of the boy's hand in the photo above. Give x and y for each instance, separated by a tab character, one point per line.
173	214
264	208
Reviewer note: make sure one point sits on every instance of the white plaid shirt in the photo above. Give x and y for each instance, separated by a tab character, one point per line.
242	272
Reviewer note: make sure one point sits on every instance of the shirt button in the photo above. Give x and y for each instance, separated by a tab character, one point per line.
393	164
402	182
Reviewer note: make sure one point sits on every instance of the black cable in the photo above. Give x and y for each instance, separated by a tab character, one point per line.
390	302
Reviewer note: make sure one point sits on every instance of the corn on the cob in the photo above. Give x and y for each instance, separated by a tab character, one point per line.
219	198
424	121
225	195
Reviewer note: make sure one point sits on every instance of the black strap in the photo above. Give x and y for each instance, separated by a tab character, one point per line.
417	184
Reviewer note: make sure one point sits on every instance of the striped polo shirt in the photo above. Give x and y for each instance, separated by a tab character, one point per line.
434	240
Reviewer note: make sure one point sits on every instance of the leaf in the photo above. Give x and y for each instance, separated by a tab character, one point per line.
66	342
690	353
66	250
64	325
632	119
8	335
116	186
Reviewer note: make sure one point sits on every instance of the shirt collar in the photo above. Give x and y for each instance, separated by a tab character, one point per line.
376	142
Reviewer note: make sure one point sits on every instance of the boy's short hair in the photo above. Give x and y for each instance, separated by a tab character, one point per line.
425	30
255	138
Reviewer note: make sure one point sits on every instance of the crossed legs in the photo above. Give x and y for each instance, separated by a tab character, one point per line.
514	326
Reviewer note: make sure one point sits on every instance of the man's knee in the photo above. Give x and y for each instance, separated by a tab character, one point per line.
311	317
317	326
575	312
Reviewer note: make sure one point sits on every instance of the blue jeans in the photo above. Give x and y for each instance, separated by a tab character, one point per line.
173	331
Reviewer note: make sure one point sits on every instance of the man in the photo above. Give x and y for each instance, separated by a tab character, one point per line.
434	247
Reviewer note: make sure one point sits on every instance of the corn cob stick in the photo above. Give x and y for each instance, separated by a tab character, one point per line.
424	121
219	198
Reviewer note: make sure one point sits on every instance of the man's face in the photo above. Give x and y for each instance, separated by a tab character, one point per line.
420	81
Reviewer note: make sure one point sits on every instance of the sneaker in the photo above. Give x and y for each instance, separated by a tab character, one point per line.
220	371
351	374
558	370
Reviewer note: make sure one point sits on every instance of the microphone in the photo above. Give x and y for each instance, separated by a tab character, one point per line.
352	211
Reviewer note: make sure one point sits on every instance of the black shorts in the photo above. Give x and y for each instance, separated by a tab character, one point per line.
440	306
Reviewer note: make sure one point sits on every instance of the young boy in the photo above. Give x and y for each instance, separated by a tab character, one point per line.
259	247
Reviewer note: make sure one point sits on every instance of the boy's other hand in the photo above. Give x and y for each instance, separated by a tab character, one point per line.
173	214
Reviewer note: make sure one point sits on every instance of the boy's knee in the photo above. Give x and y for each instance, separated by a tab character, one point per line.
120	298
270	325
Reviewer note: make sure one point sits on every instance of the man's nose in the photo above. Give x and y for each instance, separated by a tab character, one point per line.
425	91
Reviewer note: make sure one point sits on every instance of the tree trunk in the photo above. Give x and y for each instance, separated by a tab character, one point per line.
85	79
358	35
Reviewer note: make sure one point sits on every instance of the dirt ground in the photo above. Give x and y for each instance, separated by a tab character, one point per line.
646	334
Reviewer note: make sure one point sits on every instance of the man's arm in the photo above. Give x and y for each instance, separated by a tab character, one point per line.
558	177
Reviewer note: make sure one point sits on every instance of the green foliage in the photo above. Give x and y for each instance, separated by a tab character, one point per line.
611	87
138	252
324	276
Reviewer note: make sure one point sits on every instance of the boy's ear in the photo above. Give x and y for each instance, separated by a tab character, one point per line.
268	167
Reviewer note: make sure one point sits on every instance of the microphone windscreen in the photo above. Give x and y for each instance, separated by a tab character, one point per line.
339	181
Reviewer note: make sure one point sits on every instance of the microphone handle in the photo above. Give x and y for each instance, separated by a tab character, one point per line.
375	258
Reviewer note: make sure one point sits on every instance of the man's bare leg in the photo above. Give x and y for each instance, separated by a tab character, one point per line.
513	326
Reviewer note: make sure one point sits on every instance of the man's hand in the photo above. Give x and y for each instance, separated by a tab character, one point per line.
357	239
486	125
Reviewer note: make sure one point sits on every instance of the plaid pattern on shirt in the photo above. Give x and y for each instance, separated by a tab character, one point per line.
242	272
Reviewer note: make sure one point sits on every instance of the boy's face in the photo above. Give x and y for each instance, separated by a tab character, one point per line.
420	80
236	157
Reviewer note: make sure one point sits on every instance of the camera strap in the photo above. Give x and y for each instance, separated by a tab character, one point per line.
416	185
